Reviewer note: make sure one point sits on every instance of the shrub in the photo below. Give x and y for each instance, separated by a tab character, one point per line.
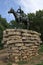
9	63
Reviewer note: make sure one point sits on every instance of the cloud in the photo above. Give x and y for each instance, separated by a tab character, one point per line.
31	5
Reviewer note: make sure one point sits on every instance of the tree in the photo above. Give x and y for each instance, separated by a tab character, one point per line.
3	25
37	22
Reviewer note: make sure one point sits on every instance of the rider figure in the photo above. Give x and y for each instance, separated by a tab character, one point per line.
20	12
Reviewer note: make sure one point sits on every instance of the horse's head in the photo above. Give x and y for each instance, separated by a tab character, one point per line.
11	10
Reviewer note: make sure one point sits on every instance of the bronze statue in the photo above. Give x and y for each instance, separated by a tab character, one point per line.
20	16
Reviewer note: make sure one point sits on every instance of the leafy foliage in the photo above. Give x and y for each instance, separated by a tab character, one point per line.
41	48
3	26
37	22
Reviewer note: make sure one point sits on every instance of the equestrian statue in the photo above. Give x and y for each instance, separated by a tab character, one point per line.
20	16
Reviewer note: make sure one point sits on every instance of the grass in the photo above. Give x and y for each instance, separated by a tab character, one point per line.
9	63
22	62
40	64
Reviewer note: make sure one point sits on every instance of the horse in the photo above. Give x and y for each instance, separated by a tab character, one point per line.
20	18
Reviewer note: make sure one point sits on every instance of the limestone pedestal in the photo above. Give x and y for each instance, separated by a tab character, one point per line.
21	44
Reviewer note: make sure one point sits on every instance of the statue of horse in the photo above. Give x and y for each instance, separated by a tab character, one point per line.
20	17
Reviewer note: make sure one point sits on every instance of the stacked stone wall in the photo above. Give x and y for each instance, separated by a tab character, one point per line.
21	44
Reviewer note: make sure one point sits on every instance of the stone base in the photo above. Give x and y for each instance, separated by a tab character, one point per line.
20	44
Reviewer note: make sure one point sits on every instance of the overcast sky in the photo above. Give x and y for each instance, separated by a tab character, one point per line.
26	5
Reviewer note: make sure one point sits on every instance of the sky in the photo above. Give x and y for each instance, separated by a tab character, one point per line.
28	6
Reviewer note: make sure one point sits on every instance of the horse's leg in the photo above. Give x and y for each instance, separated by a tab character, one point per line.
27	24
